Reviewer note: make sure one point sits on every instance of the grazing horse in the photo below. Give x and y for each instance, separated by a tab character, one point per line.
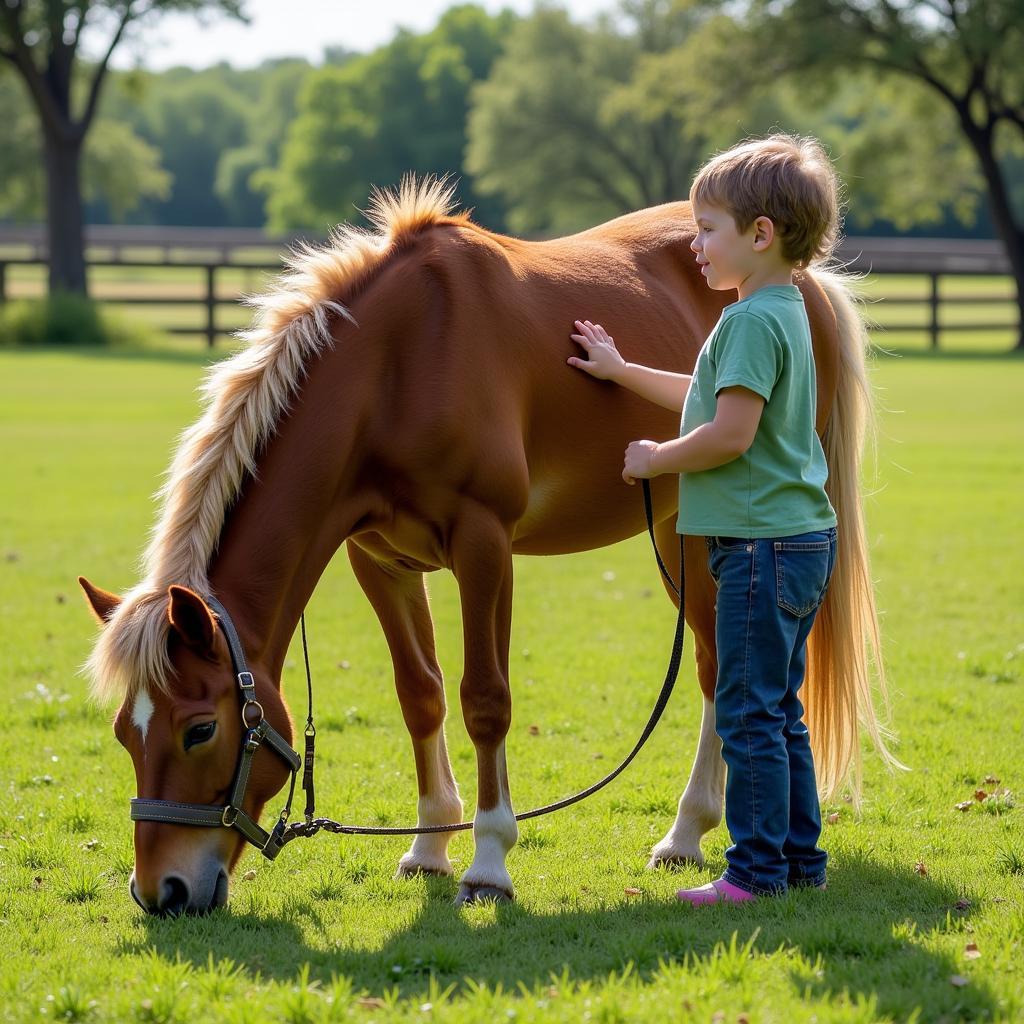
404	390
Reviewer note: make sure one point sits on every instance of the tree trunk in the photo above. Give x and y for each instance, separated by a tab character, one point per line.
1010	233
65	231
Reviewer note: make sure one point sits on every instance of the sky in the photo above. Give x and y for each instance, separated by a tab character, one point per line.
284	28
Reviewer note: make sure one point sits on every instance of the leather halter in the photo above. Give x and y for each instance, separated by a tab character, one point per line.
257	732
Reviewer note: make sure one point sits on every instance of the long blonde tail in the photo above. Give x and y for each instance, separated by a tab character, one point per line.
845	643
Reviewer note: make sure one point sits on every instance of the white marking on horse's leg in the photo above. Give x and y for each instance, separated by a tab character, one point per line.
142	712
439	805
700	807
494	833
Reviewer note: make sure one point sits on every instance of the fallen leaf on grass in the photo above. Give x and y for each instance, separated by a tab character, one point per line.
833	818
971	951
979	795
920	869
534	730
370	1003
959	980
249	875
632	890
962	904
991	780
965	805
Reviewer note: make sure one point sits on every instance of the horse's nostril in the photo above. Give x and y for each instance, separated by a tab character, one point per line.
174	896
220	892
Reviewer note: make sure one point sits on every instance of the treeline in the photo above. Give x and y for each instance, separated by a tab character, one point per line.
551	126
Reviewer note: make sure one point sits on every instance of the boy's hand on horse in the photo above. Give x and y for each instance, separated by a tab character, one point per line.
603	360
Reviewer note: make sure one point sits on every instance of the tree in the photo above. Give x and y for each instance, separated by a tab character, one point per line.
269	115
966	52
119	169
371	119
40	39
577	123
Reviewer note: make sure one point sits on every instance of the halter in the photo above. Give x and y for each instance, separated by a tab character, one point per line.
257	732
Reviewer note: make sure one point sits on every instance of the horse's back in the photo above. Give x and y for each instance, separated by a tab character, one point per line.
496	340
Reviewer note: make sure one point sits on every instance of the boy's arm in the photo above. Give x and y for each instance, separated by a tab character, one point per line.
713	444
604	362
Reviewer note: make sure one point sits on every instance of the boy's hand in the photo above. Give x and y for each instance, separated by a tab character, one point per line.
639	456
602	357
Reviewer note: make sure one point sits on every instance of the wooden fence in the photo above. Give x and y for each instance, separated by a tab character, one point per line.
212	250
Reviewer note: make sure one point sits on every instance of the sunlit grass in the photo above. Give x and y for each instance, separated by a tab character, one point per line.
326	933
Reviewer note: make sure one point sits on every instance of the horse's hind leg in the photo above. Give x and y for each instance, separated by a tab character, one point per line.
700	807
482	562
400	601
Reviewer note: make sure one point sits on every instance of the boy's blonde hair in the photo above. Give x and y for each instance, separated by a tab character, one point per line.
788	179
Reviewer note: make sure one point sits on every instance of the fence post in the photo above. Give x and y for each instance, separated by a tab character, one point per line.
935	309
211	306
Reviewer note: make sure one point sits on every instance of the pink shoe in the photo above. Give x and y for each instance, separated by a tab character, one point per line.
718	891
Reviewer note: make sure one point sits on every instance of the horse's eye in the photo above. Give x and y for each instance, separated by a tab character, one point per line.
199	734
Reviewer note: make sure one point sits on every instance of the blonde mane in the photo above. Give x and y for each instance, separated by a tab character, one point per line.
245	397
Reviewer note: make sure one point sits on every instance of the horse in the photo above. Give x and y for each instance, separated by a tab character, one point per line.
404	390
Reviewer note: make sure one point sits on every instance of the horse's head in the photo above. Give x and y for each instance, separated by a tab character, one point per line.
185	742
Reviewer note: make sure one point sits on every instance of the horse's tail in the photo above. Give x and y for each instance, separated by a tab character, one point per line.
845	642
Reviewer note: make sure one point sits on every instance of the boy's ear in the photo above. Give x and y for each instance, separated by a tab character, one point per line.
764	233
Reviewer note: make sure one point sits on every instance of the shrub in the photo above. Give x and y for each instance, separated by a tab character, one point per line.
63	319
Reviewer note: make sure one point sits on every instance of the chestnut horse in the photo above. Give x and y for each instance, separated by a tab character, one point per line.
405	390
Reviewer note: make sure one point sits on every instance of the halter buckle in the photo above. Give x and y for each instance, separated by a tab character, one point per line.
224	816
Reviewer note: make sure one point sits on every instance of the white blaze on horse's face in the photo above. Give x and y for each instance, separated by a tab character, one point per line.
142	712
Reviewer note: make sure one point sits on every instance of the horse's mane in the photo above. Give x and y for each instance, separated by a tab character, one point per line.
245	397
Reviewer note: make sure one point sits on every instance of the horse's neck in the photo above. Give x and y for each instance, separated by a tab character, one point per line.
291	516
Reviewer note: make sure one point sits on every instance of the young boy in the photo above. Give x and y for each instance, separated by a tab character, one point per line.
752	482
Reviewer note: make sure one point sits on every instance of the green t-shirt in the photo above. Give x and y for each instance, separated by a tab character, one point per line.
777	487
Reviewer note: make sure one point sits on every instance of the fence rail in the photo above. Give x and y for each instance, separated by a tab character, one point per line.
211	250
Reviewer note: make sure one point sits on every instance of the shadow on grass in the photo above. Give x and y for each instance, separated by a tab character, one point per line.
866	930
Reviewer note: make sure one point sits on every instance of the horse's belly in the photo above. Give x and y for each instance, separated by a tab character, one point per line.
572	515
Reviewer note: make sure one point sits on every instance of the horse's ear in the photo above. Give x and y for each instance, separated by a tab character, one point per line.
190	618
102	602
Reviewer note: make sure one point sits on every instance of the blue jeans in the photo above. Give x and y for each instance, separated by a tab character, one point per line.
769	590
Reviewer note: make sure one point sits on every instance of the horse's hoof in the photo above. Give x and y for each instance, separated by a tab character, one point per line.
670	858
410	869
481	894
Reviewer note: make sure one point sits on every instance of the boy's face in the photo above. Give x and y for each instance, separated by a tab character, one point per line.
726	257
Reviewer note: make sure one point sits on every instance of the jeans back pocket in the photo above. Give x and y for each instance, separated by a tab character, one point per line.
802	570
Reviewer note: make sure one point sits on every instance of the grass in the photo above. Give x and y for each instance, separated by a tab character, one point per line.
917	886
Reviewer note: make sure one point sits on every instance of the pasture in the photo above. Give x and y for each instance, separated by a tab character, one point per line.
924	916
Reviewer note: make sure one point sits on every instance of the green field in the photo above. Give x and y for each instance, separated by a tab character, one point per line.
924	916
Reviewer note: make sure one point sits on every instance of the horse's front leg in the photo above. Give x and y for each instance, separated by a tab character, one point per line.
399	598
482	562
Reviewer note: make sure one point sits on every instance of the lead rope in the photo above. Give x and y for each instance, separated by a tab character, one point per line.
310	753
313	825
